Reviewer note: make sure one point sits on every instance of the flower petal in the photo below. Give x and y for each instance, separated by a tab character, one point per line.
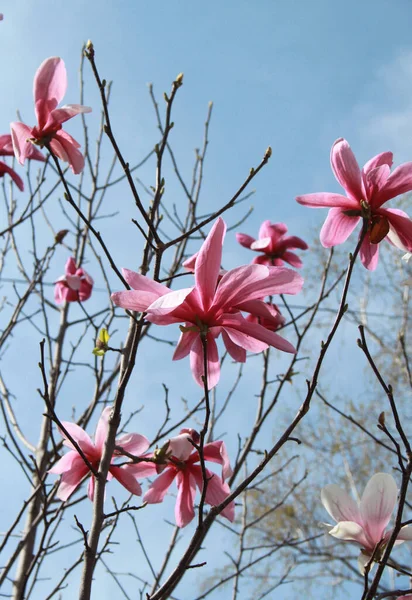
134	443
337	228
102	428
208	263
369	254
292	259
181	446
197	362
49	86
20	133
128	480
159	487
346	168
244	239
185	344
325	200
261	245
236	352
71	480
184	511
377	504
216	452
400	228
216	492
79	436
339	504
398	182
16	178
69	461
349	531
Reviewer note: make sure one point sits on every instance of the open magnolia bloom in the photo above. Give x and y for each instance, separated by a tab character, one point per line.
75	286
74	470
49	88
274	245
365	524
213	307
367	190
182	464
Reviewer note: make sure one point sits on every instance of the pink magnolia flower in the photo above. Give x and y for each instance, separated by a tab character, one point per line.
367	190
73	469
75	286
275	245
365	524
182	466
6	149
212	307
50	83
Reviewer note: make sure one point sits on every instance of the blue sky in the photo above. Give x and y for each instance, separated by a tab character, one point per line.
295	75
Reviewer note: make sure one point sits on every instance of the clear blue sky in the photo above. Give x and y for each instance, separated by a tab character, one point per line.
295	75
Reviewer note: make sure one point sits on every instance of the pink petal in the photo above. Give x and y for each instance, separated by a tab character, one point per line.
273	231
216	491
143	468
68	462
261	245
293	242
377	504
167	303
245	341
385	158
66	112
79	436
180	446
6	169
350	531
337	228
145	284
375	181
292	259
216	452
261	309
346	168
184	511
127	479
20	133
66	148
197	362
369	254
398	182
50	83
70	266
244	239
253	282
325	200
400	232
90	488
134	443
254	330
185	344
339	504
71	480
208	263
236	352
159	487
73	281
102	428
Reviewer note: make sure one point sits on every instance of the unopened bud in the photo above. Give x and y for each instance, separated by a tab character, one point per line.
381	419
268	153
179	80
60	235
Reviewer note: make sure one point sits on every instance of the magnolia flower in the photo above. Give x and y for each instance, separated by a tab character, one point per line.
274	244
50	83
367	191
6	149
73	468
75	286
182	465
365	524
212	307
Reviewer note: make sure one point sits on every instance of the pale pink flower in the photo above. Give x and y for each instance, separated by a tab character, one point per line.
365	524
75	286
73	468
367	190
212	307
274	244
6	149
182	465
50	83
